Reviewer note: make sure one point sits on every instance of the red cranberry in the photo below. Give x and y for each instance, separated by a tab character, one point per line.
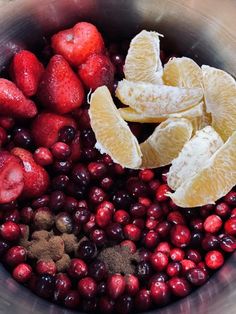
41	201
143	300
70	204
87	287
163	229
233	213
77	268
159	261
176	218
180	236
196	239
87	250
151	223
132	285
138	222
97	195
136	188
179	286
158	277
103	216
88	138
26	214
121	199
80	175
115	286
43	156
122	217
214	259
137	210
72	299
186	265
177	255
155	211
67	134
161	192
97	169
222	209
12	215
45	286
15	255
62	286
228	243
163	247
206	210
151	239
197	276
98	270
143	270
212	224
98	236
230	226
230	198
154	185
114	232
106	305
124	304
146	175
7	122
22	273
197	224
46	267
194	256
82	216
210	242
144	201
160	293
132	232
57	200
22	138
173	269
62	167
60	182
106	183
84	121
90	224
10	231
130	245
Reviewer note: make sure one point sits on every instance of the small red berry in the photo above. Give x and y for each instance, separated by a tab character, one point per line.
214	259
132	232
212	224
230	226
180	236
10	231
146	175
159	261
87	287
43	156
115	286
22	273
161	192
132	284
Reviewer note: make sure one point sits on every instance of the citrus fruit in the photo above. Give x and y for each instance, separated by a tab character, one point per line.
214	180
131	115
165	143
193	156
152	99
182	72
143	62
113	134
220	98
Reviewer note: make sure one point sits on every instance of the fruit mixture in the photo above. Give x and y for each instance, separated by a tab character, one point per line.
102	215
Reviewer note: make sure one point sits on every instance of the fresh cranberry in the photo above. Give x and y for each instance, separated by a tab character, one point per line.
206	210
98	270
43	156
129	245
41	201
214	259
97	195
103	216
151	239
4	246
197	224
194	256
197	276
139	222
87	287
144	201
132	284
77	268
233	213
136	187
62	167
114	232
72	299
180	236
137	210
163	247
132	232
60	150
228	243
22	273
121	199
210	242
196	239
84	121
81	216
124	304
146	175
115	286
98	236
10	231
161	192
87	250
15	255
62	286
186	265
179	286
67	134
106	183
106	305
222	209
230	198
176	218
177	255
212	224
122	217
26	214
230	226
143	300
80	175
88	138
89	226
22	138
46	267
154	185
160	293
7	122
57	200
97	169
159	261
158	277
12	215
163	229
45	286
173	269
143	270
155	211
101	289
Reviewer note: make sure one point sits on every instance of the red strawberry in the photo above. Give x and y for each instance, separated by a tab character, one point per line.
98	70
60	88
13	102
26	72
11	177
78	42
46	126
36	179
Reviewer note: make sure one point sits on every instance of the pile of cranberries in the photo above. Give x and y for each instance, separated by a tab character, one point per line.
93	197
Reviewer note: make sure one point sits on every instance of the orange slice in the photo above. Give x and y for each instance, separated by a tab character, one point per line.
165	143
113	134
213	181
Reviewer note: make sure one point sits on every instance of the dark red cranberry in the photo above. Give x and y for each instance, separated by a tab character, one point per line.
155	211
22	138
230	227
43	156
160	293
122	217
46	267
121	199
41	201
173	269
194	256
179	286
87	250
139	222
222	209
186	265
154	185
132	285
88	138
137	210
228	243
101	289
71	204
22	273
146	175
210	242
10	231
115	286
143	270
159	261
8	206
197	276
132	232
206	210
80	175
89	226
180	236
57	200
81	216
212	224
144	255
15	255
98	270
163	247
214	259
26	214
151	223
143	300
161	192
177	255
106	183
114	232
87	287
89	305
96	195
90	154
106	305
197	224
75	147
158	277
67	134
12	215
60	182
60	150
98	236
4	246
230	198
97	169
136	187
62	286
45	286
124	304
72	299
196	239
151	239
62	167
163	229
176	218
84	120
144	201
77	268
103	216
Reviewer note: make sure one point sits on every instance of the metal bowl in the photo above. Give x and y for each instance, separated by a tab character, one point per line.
202	29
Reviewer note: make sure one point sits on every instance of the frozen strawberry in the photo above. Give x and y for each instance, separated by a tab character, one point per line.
98	70
78	43
36	179
11	177
26	72
60	89
13	102
46	126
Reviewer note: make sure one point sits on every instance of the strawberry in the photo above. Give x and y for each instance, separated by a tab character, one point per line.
98	70
11	177
78	43
46	126
13	102
60	89
36	179
26	72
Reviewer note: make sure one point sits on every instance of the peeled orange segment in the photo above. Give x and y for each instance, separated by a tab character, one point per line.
213	181
220	97
165	143
201	121
152	100
143	62
131	115
194	155
182	72
113	134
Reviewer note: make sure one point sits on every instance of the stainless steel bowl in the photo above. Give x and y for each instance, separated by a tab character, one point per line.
202	29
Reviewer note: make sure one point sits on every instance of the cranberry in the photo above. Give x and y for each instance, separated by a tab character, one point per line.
60	182
98	236
97	169
22	138
163	229
122	217
82	216
115	286
151	239
146	175
136	188
77	268
98	270
197	276
132	284
179	286
80	175
7	122
233	213
230	226
173	269
67	134
180	236
12	215
87	287
97	195
132	232
70	204
186	265
4	246
196	239
124	304
46	267
89	305
151	223
10	231
158	277
41	201
143	270
144	201
130	245
84	121
212	224
26	214
45	286
137	210
87	250
159	261
90	224
230	198
22	273
214	259
163	247
177	255
122	199
222	209
63	222
176	218
101	289
88	138
103	216
155	211
114	232
106	305
106	183
62	167
161	192
72	299
206	210
197	224
228	243
62	286
194	256
43	156
210	242
15	255
160	293
143	300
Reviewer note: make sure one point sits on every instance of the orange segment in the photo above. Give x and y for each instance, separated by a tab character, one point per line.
211	182
166	142
113	134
